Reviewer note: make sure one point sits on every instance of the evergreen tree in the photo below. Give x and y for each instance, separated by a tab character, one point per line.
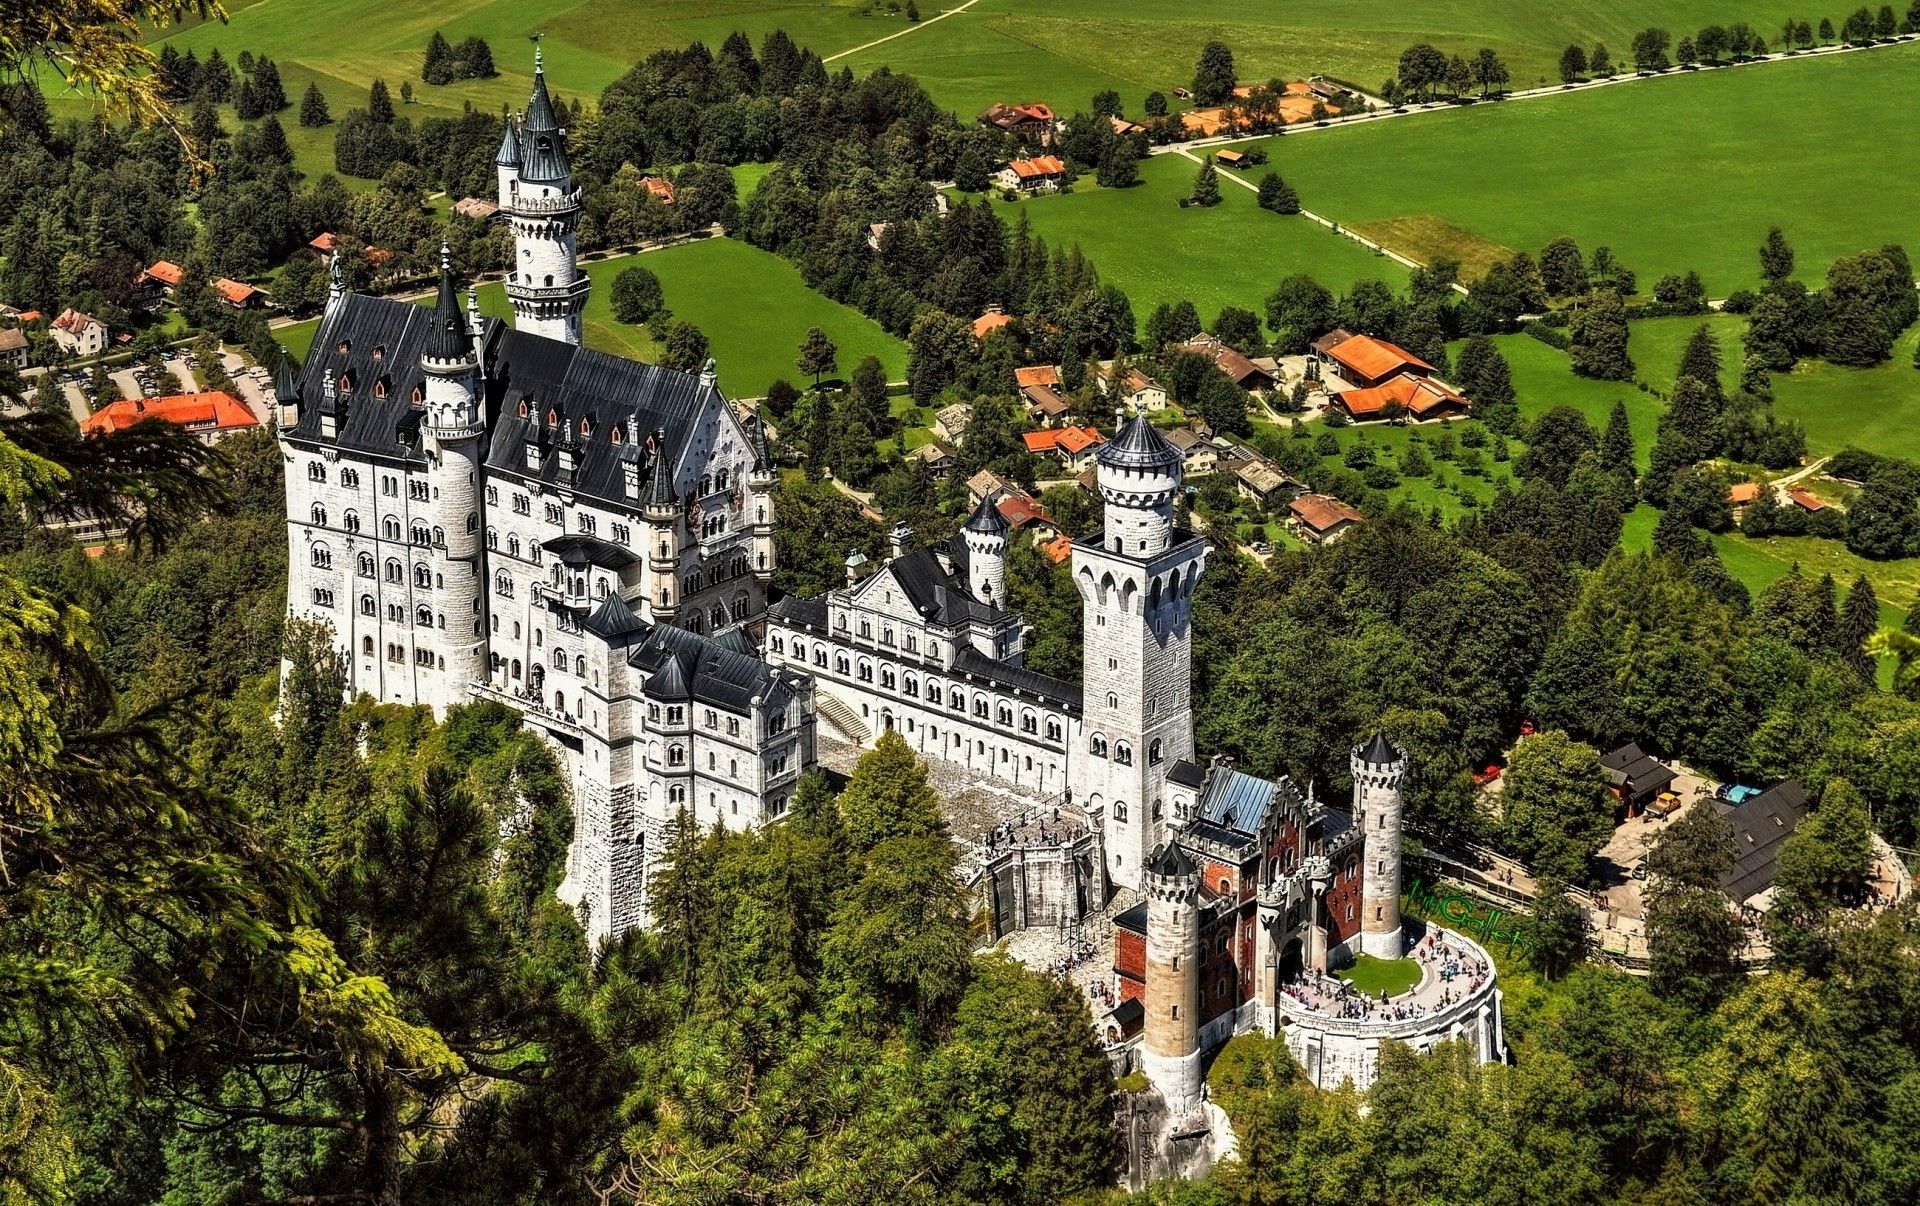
1599	333
685	347
1701	361
380	103
437	68
1776	257
475	59
216	78
1616	442
889	796
971	171
913	12
868	396
1859	620
1206	184
818	355
313	108
1692	934
1213	76
1822	868
1119	164
1277	195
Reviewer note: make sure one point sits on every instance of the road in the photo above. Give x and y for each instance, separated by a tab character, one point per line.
961	8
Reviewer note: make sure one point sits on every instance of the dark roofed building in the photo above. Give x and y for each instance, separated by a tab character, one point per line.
1761	825
1636	777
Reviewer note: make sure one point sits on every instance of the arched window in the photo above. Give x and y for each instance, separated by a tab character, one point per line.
316	472
394	572
559	659
322	556
866	671
365	565
840	664
422	576
913	687
319	516
1113	699
1123	753
366	605
350	478
1098	746
366	645
1053	729
423	617
389	528
1120	810
676	755
1003	715
503	584
886	679
1029	723
1153	753
351	521
580	664
422	535
439	538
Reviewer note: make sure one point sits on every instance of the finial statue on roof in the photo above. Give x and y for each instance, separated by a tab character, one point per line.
336	276
446	255
709	373
535	37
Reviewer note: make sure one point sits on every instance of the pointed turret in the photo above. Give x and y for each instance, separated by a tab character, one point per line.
543	151
542	204
286	389
672	681
660	495
986	539
509	153
449	338
986	518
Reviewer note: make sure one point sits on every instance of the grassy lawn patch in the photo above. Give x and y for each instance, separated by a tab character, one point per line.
1683	172
1656	344
1543	379
1231	254
1875	408
1370	975
1425	238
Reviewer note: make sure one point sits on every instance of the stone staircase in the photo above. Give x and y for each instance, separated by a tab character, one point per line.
842	717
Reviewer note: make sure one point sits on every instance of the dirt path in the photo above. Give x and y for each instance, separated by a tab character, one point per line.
903	33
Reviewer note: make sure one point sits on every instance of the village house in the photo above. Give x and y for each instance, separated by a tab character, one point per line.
1073	447
1123	127
1363	361
659	186
1635	777
1405	396
1245	373
1761	826
1259	480
320	247
477	207
210	416
1044	174
238	294
1800	497
1200	456
991	321
1030	121
1742	495
950	421
1040	391
1232	159
1058	549
1319	519
1024	514
939	458
1140	392
13	347
987	486
160	279
80	334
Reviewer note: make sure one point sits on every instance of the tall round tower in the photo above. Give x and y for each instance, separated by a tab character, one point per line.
1378	769
506	162
455	426
986	537
1170	1040
761	480
542	203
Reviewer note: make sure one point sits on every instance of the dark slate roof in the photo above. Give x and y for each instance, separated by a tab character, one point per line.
613	619
589	550
1218	835
711	672
389	426
660	489
543	150
1186	774
804	613
509	154
286	386
1134	919
1139	446
579	383
1379	751
449	338
978	666
1761	826
1129	1013
987	518
1170	860
938	594
1634	771
1334	822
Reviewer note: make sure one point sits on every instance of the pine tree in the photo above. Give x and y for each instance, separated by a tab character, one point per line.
313	108
406	92
1776	257
1616	442
475	58
1277	195
1701	361
1206	184
1213	75
913	11
216	78
380	103
438	66
1599	347
1859	620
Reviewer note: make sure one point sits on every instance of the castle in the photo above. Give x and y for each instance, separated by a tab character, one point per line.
480	510
492	511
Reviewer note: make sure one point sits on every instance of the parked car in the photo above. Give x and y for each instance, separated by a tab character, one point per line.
1664	805
1483	777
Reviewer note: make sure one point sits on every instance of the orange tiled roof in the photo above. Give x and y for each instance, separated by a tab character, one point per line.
324	241
236	292
1321	513
659	187
1804	500
1058	549
72	321
1020	511
1741	493
1419	395
30	316
1038	374
1042	165
992	320
1376	358
216	409
165	271
1074	439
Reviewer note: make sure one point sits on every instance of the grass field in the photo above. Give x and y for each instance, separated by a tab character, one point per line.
1684	172
1656	344
1231	254
1543	379
1426	238
1875	408
1370	975
752	306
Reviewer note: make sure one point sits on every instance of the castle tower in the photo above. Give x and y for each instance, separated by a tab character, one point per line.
1170	1039
761	480
1136	582
986	537
1378	769
286	391
663	536
542	203
455	423
506	163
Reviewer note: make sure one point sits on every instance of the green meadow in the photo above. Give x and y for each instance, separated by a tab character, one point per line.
752	306
1233	253
1682	172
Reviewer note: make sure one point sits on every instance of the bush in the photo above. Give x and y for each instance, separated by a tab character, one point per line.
1740	301
1548	335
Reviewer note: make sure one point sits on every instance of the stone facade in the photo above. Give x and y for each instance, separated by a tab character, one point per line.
477	510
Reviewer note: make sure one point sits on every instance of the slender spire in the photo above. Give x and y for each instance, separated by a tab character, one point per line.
987	518
660	496
509	153
543	151
449	338
762	455
286	390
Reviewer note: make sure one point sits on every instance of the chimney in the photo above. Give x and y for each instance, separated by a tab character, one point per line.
536	456
900	536
630	471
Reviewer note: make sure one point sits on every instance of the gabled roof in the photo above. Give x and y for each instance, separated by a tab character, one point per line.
216	409
73	321
979	667
237	293
1043	400
989	322
12	339
1419	396
709	670
1322	513
1634	771
1373	358
1741	493
1058	549
613	618
1019	512
660	187
1036	374
1805	500
1037	167
1761	825
165	271
1072	440
324	241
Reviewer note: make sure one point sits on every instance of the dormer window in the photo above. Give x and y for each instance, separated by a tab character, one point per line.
553	417
344	347
586	426
616	435
522	409
344	383
380	388
380	353
418	396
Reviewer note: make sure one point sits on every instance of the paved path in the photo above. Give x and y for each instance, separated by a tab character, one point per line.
903	33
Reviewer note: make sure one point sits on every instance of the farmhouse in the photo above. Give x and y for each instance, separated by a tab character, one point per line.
991	321
1245	373
1199	454
1319	519
1259	480
939	458
1141	392
1365	361
159	280
209	416
1743	494
80	334
238	294
1405	395
1073	446
659	186
13	347
1043	174
477	207
1805	499
950	421
1032	120
1123	127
